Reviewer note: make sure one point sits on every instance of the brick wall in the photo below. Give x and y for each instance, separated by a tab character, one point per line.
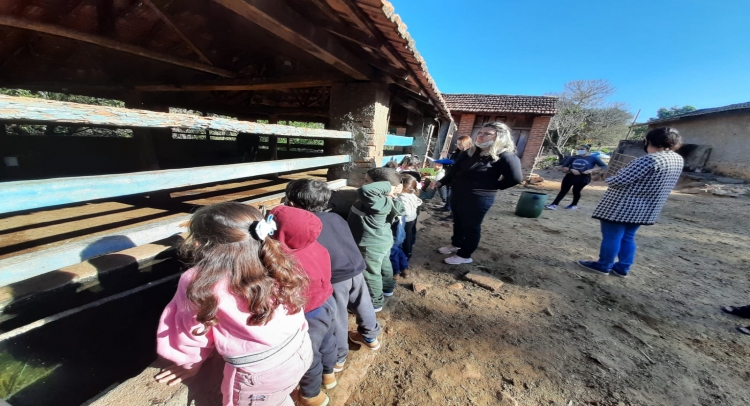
466	124
536	140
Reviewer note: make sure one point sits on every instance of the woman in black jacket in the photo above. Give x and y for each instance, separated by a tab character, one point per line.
490	164
463	143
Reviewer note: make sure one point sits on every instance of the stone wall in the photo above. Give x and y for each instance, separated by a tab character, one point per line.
361	108
727	133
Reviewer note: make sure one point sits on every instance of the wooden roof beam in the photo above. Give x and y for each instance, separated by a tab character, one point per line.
22	110
163	17
111	44
276	17
273	84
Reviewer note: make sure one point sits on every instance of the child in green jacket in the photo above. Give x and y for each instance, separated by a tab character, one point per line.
370	221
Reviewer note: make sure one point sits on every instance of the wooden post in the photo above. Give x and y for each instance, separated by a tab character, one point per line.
273	141
631	125
143	138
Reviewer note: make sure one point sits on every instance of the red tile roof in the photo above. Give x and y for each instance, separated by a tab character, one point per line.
501	103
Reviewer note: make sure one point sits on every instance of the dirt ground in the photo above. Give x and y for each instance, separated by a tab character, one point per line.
555	334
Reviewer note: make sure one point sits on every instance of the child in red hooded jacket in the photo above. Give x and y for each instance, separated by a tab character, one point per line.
298	231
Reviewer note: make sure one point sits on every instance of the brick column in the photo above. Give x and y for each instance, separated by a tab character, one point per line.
535	142
361	108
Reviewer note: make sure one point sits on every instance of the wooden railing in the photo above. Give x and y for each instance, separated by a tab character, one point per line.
35	194
396	141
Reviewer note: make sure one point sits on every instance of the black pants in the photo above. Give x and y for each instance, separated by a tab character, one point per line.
468	214
411	237
322	327
577	182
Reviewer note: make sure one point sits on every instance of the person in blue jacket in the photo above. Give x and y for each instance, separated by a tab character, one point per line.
579	169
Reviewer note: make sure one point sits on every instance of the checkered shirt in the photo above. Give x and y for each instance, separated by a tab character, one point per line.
638	192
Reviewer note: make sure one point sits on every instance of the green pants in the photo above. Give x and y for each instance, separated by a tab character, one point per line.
379	272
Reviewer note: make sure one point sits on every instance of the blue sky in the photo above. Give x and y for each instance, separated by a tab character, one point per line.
658	53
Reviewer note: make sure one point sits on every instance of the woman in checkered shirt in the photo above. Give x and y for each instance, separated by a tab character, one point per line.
635	197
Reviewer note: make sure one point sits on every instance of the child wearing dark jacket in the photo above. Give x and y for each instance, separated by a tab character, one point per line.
370	220
298	231
347	266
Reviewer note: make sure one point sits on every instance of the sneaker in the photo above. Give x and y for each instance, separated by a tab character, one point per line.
551	207
339	366
620	274
378	309
592	266
387	294
448	249
456	260
329	380
357	338
572	207
320	400
405	273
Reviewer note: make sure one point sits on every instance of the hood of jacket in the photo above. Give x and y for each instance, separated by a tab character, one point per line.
289	231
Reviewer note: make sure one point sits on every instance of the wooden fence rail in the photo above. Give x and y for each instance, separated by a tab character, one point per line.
398	141
22	110
34	194
25	266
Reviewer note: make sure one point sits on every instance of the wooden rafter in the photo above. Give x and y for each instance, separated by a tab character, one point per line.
111	44
275	84
163	17
344	8
276	17
387	48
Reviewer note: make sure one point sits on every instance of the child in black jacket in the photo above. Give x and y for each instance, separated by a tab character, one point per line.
349	287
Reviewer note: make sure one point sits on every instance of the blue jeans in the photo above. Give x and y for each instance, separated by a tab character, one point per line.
468	213
618	242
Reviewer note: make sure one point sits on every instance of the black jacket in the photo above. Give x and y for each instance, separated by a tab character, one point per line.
479	174
346	260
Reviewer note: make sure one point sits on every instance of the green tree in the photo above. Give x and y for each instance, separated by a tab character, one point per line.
663	112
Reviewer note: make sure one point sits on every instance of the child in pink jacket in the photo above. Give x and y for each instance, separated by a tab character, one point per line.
244	298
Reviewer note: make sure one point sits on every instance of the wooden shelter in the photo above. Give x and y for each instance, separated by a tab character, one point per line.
349	64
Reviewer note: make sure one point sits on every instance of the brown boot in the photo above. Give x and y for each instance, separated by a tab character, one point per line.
320	400
329	381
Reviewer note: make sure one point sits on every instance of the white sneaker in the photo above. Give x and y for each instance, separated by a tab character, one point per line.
551	207
448	249
456	260
387	294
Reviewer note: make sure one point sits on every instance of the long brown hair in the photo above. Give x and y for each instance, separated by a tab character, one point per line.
409	182
221	247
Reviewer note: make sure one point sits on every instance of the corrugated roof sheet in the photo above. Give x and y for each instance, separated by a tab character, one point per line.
501	103
702	112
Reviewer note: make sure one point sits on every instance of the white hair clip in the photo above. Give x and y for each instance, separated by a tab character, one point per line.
262	229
